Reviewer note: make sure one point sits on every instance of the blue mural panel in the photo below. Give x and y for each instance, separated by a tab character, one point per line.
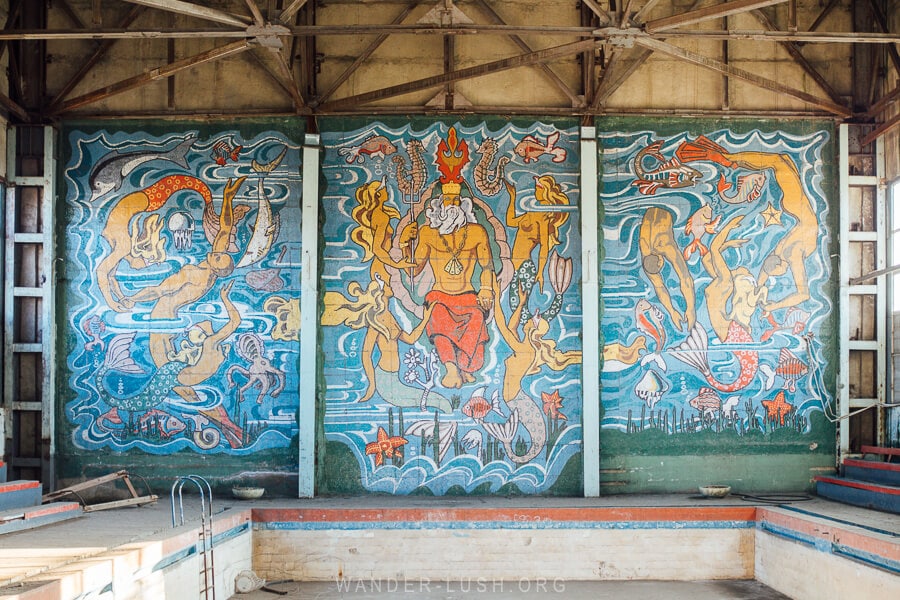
183	254
715	281
452	314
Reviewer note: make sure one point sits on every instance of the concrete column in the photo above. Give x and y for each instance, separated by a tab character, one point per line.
590	294
309	294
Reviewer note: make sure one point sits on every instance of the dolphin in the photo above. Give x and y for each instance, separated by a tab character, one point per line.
108	173
265	231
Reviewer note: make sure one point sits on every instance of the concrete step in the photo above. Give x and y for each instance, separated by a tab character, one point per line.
19	494
874	471
859	493
18	519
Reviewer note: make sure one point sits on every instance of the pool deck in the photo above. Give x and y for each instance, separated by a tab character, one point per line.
37	556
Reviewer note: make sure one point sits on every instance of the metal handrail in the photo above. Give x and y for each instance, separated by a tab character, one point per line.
206	537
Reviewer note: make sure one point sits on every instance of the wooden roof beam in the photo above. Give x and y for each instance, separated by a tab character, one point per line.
290	83
522	60
881	19
598	10
885	101
762	82
288	13
154	75
95	58
641	15
195	10
707	13
881	130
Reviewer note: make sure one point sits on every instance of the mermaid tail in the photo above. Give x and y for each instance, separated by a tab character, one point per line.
703	148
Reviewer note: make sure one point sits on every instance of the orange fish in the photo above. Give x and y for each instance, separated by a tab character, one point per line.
699	223
385	446
791	368
530	149
552	404
478	407
778	408
707	401
222	151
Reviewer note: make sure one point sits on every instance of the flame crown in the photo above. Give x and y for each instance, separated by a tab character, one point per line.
452	156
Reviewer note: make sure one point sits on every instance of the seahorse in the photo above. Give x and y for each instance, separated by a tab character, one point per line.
411	181
489	183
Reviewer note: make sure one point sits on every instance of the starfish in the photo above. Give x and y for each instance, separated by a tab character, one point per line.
777	408
552	404
385	446
771	215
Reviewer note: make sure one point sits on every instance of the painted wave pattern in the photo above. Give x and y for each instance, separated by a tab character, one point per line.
471	459
717	230
123	396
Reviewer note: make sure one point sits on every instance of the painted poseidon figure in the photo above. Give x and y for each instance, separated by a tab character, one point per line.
452	243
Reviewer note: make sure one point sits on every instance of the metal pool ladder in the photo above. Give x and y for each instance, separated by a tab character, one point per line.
208	570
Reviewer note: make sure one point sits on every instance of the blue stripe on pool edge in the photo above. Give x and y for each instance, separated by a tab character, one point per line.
413	525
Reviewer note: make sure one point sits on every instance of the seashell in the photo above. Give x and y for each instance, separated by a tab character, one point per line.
560	273
651	388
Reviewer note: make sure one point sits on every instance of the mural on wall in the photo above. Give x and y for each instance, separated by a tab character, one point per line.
452	313
714	281
183	295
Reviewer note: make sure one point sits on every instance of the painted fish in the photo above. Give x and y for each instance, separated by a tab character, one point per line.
222	151
265	280
108	173
790	368
478	407
165	424
376	145
699	223
265	232
530	149
749	188
695	349
668	173
649	319
707	401
794	321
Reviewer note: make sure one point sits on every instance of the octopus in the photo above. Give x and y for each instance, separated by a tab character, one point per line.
260	374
